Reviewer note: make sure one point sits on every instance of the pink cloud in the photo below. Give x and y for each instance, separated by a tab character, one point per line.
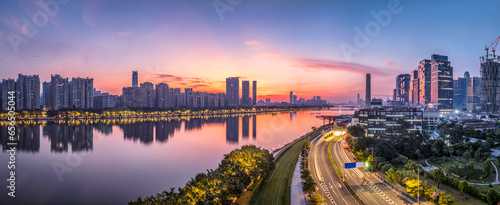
318	65
270	53
389	63
252	43
124	33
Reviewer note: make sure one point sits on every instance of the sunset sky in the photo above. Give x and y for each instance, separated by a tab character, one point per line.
284	45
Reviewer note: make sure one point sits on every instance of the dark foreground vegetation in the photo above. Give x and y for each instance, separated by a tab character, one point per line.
234	174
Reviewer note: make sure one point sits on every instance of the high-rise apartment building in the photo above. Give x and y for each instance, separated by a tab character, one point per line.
254	92
161	95
232	92
441	84
58	93
490	83
7	86
81	93
135	79
403	88
147	95
27	92
104	100
245	93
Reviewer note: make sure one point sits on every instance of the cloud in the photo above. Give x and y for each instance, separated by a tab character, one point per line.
270	53
389	63
191	82
252	43
124	33
313	65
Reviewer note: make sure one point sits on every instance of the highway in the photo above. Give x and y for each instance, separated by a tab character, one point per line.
371	191
330	184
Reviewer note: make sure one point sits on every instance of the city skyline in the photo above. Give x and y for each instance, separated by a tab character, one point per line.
89	40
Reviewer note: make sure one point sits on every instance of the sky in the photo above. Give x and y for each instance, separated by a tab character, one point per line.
310	47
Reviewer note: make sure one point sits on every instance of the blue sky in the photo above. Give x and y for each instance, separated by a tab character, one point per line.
284	45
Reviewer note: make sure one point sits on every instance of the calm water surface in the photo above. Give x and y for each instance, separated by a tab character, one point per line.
115	162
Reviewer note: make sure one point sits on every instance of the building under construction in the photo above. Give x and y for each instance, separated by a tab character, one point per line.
490	80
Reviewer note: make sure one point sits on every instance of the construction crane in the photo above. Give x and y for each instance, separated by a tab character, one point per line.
487	48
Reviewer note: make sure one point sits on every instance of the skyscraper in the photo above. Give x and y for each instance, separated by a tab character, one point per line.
7	86
424	76
45	91
147	95
232	92
245	93
81	93
254	92
368	91
28	92
403	87
441	84
490	83
460	92
473	94
292	97
161	93
414	88
58	93
135	80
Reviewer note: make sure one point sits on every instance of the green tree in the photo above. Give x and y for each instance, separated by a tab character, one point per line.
438	175
393	176
492	196
464	187
308	185
356	131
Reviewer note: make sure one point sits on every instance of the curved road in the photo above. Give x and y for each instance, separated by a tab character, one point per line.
372	190
330	185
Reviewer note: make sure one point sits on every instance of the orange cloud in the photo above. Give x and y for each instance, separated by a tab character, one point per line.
252	43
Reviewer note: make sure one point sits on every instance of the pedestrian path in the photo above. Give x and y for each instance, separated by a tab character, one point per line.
297	196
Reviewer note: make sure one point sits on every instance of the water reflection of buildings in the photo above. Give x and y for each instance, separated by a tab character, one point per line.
254	126
28	138
245	121
232	129
81	137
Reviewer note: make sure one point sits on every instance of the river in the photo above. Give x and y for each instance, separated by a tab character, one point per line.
113	162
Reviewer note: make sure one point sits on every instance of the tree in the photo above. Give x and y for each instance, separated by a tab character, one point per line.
413	186
492	196
316	199
445	199
356	131
309	186
438	175
393	176
437	148
464	187
411	165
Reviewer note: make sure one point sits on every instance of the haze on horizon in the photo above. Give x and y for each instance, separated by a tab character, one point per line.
284	45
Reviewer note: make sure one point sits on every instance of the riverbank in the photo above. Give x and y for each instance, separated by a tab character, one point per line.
137	114
275	187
